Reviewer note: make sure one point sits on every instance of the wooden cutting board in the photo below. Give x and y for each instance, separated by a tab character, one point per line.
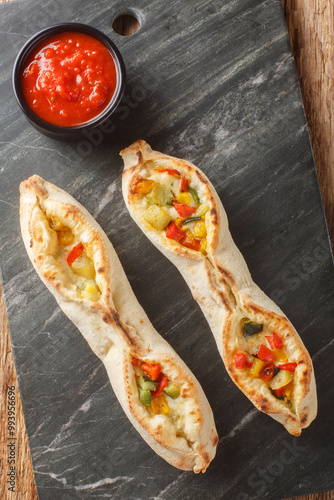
220	90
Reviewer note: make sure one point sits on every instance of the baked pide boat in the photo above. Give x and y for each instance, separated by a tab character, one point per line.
78	264
178	209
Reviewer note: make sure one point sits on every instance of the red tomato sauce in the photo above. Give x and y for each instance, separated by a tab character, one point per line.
69	79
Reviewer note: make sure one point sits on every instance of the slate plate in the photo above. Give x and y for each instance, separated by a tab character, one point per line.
212	82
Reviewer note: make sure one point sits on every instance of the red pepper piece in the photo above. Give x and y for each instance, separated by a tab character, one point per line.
280	392
162	383
265	354
174	233
184	185
267	372
170	171
241	360
153	371
74	253
277	341
271	341
135	361
183	210
290	367
191	243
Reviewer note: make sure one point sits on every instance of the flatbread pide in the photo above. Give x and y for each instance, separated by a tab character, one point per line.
178	209
78	264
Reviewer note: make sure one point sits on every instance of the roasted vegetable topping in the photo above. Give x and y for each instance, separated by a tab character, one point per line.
174	233
169	171
265	354
152	384
241	360
271	365
183	210
251	328
189	228
74	253
143	186
194	194
157	217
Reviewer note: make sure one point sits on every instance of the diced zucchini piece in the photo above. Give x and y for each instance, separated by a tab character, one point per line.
251	328
284	377
172	390
65	237
157	217
147	384
145	396
257	366
159	405
91	291
183	198
83	266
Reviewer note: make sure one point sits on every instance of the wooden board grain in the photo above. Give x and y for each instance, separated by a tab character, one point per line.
311	33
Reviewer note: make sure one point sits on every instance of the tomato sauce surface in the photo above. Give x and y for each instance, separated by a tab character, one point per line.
69	79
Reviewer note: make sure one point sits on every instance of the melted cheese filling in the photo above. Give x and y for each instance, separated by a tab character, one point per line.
81	272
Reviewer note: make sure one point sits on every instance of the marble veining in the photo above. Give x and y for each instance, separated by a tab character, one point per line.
213	82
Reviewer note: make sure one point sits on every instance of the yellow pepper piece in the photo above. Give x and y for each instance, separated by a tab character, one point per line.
160	406
184	198
143	186
280	356
289	390
257	366
56	224
199	230
179	222
203	246
65	237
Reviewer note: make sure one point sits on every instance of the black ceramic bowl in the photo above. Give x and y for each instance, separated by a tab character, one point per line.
77	131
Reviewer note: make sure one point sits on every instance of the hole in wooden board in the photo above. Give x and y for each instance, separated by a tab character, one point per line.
126	24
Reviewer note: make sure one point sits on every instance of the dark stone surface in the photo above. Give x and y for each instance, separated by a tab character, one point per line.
212	82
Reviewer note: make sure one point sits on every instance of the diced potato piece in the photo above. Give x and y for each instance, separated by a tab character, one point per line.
257	366
91	291
65	237
160	406
183	198
157	217
202	209
83	266
55	223
200	230
283	378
